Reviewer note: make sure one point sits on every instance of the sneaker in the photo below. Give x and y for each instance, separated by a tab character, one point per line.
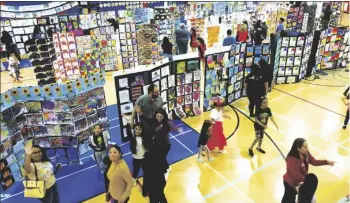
223	151
199	160
210	159
344	127
251	153
261	150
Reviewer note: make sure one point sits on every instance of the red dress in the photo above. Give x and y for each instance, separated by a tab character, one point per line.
218	138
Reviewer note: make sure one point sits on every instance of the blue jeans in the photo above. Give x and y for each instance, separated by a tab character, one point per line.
169	56
51	195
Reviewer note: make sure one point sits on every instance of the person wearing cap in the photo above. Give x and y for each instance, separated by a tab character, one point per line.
182	38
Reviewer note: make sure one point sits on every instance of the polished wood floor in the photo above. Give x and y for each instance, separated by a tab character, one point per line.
313	111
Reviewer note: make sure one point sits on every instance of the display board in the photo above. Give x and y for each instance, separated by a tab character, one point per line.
165	19
216	79
306	54
42	54
68	23
66	66
147	43
179	86
329	52
58	116
290	59
128	45
225	72
336	7
295	18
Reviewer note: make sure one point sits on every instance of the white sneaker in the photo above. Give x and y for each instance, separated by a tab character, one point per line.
223	151
210	159
199	160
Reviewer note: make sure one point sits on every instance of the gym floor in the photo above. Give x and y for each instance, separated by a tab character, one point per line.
310	109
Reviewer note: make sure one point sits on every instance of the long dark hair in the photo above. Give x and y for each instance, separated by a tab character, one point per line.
133	138
165	116
308	188
166	41
118	149
206	125
297	144
201	40
44	157
193	32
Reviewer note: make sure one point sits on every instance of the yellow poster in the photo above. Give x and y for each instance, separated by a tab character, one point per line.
213	35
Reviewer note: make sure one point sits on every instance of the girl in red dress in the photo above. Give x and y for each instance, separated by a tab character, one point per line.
218	138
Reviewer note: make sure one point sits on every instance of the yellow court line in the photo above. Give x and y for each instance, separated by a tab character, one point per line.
228	182
322	152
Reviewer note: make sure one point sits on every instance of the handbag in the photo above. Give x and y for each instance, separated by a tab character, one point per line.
34	188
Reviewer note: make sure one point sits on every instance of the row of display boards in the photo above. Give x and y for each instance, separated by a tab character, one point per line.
187	90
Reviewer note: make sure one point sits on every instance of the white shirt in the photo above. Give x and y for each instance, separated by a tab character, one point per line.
216	115
140	150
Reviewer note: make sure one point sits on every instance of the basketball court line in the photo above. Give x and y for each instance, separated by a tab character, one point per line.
216	172
244	178
322	152
299	98
90	167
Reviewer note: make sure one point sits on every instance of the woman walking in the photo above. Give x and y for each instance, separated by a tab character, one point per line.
156	156
120	179
298	160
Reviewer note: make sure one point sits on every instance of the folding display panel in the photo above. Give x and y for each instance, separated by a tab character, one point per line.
42	54
329	48
288	59
165	19
215	79
147	44
179	86
52	116
128	45
66	66
68	23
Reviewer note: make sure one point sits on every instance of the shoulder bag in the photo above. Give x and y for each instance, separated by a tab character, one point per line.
34	188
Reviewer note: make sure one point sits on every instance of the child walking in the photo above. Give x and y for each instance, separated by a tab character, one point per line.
346	102
203	139
262	114
218	138
14	67
99	143
137	147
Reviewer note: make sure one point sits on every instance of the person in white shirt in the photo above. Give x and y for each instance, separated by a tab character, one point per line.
137	148
13	67
307	189
218	138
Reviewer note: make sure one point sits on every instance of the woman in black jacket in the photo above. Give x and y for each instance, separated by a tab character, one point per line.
156	156
256	87
267	71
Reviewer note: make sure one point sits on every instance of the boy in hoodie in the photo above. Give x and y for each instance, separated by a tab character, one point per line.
99	142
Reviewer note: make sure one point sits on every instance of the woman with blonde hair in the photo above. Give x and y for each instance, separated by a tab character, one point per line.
242	34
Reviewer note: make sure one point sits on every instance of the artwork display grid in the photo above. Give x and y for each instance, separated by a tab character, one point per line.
179	86
51	116
128	45
329	48
147	44
66	66
290	59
